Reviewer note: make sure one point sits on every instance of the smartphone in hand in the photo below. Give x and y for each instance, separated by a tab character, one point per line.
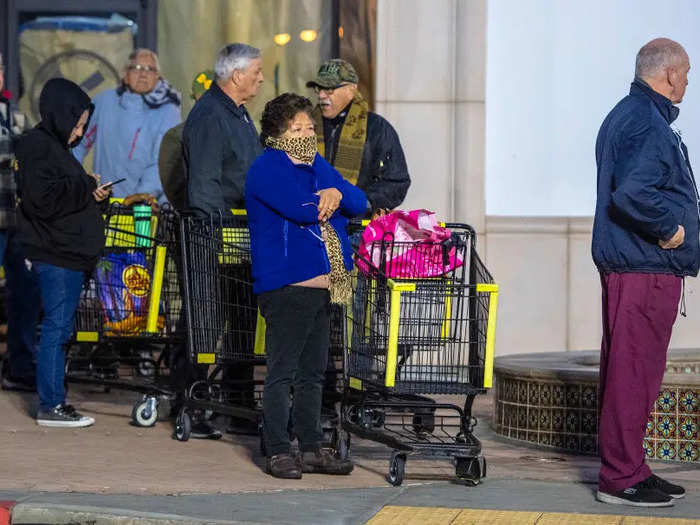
108	185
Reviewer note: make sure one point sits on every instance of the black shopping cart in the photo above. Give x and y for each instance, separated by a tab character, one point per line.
413	336
128	318
221	319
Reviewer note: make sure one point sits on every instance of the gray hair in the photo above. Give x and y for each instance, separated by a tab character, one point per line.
234	57
136	53
657	56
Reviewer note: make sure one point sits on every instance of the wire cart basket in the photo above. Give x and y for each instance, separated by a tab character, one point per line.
414	336
129	312
221	318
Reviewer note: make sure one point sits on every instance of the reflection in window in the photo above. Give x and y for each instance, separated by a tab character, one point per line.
295	36
89	51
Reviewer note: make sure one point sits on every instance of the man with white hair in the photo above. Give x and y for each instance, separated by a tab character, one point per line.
220	143
127	127
220	139
645	242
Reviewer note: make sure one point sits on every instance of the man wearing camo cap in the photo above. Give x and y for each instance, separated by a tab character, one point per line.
360	144
364	148
170	162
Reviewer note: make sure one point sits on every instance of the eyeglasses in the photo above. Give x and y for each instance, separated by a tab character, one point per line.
139	67
328	91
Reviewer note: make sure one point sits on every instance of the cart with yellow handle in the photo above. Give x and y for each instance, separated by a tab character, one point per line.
130	311
412	342
224	328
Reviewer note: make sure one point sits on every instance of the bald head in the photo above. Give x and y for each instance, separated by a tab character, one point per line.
657	56
664	65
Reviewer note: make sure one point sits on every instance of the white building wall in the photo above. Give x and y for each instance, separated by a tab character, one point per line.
497	105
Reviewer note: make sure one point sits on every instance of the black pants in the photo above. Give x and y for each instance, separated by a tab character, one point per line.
296	343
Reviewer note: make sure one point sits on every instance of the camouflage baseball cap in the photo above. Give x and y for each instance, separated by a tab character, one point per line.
333	73
201	82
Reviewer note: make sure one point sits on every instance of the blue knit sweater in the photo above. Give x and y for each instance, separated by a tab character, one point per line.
285	237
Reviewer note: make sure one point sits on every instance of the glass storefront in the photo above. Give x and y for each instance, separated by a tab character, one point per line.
295	36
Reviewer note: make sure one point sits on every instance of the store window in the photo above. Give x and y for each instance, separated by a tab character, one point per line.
87	50
87	42
295	36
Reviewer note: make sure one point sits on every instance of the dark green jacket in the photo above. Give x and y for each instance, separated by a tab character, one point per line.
171	167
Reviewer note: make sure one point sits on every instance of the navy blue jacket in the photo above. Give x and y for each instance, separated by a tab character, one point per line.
285	238
220	143
646	189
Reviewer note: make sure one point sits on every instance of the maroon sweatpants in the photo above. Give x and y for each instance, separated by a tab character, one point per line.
638	314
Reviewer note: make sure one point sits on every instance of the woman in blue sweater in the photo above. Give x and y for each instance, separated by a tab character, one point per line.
298	209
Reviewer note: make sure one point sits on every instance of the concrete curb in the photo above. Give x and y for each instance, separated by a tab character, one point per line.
38	513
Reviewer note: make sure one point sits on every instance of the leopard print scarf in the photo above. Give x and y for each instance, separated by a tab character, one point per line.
302	148
340	286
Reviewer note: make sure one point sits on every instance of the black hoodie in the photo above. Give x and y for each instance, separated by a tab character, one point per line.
59	221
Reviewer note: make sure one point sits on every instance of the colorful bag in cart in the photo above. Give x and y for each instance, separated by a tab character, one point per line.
408	244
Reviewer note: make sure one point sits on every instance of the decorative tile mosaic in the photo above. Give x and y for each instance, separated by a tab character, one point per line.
565	416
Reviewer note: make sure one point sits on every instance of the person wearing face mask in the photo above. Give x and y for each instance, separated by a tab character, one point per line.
298	209
127	128
61	230
360	144
364	148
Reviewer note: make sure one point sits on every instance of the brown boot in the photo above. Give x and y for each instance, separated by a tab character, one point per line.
324	461
284	466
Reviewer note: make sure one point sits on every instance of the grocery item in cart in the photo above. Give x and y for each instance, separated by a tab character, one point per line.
408	244
123	283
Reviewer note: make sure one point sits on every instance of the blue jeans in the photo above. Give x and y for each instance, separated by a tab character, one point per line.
23	309
60	294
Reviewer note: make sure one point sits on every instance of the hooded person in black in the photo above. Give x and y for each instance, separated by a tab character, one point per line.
61	228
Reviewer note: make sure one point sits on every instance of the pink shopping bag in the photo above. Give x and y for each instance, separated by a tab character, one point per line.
408	244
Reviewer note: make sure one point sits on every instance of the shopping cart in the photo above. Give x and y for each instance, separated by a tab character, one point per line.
128	318
415	336
221	318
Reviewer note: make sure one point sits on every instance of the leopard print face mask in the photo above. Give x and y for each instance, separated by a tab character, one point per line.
302	148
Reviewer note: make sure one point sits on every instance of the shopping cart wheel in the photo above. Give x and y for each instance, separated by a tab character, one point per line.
471	470
397	468
145	413
183	426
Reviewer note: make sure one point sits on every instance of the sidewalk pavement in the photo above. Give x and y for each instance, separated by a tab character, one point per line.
116	473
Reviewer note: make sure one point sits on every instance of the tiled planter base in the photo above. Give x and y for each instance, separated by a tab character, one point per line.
552	400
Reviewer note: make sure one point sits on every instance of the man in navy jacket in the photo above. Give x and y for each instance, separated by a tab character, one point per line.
645	241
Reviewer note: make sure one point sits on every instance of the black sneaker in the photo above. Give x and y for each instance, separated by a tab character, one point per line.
204	430
18	384
64	416
638	495
655	482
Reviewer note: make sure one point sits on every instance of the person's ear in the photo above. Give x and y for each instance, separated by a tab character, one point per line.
672	76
